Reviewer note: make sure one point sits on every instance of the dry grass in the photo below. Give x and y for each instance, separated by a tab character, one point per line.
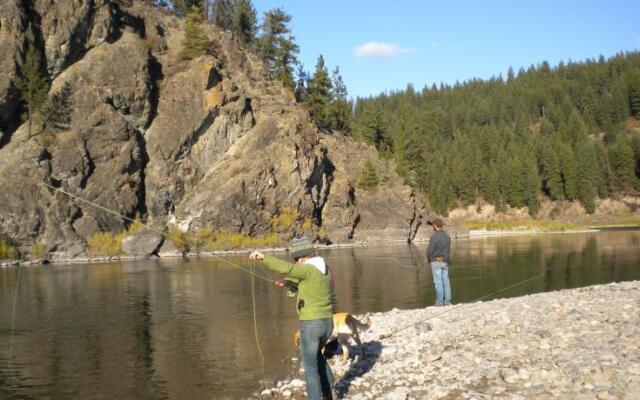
109	243
37	251
8	252
105	244
554	226
285	220
206	239
521	225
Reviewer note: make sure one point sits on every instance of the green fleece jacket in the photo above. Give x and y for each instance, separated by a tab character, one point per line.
314	292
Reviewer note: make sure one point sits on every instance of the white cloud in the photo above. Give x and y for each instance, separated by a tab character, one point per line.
379	50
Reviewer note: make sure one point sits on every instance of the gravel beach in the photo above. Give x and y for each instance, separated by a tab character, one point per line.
578	344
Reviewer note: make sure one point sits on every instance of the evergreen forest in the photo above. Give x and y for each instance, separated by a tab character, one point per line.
569	132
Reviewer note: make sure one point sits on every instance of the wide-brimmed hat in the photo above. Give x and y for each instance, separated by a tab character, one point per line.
301	247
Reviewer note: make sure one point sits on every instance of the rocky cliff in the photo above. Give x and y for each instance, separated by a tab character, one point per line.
211	142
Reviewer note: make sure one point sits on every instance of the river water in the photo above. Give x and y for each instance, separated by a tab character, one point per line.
183	329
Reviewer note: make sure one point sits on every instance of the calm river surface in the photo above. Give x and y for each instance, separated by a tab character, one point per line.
183	329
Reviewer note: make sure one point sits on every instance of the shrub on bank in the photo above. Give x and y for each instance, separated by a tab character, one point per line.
105	244
225	240
555	226
38	251
284	221
521	225
8	252
206	239
109	243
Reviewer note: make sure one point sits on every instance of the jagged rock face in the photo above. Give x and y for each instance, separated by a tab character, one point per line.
210	142
13	32
391	211
101	158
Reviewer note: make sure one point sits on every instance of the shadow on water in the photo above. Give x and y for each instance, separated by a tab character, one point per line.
372	351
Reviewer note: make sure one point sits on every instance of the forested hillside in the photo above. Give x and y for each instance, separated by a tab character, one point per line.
568	132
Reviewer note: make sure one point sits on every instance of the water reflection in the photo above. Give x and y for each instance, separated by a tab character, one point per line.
184	329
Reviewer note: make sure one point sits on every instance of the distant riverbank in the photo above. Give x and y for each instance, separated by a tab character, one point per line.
578	343
493	230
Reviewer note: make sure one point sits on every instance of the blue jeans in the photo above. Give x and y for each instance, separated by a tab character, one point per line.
313	335
440	272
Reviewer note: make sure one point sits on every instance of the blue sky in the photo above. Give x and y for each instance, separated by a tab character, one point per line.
384	45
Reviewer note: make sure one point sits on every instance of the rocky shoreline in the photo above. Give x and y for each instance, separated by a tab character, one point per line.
578	343
472	234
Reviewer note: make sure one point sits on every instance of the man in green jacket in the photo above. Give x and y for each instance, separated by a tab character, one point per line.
314	311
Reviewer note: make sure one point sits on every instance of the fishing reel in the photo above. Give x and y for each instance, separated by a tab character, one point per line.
292	287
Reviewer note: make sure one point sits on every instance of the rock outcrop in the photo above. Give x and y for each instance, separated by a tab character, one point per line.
142	243
211	142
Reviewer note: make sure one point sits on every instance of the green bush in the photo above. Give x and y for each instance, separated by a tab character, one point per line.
195	42
369	177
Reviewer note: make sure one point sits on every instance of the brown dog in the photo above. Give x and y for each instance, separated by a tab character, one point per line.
345	326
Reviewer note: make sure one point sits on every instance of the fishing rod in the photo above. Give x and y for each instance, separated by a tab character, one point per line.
13	317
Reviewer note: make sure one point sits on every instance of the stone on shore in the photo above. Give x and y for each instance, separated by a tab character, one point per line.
578	343
168	249
142	243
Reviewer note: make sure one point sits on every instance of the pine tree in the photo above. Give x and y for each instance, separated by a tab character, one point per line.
635	144
222	14
551	172
369	177
585	160
33	85
515	182
623	165
277	47
634	93
372	128
577	128
195	42
302	84
244	21
340	107
531	186
510	75
602	179
58	110
490	187
319	95
183	7
568	168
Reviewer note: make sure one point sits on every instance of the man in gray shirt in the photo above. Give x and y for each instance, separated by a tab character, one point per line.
438	256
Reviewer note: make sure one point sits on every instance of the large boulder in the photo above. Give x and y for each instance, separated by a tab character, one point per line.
168	249
142	243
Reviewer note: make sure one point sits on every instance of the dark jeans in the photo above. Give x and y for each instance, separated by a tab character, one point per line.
313	335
